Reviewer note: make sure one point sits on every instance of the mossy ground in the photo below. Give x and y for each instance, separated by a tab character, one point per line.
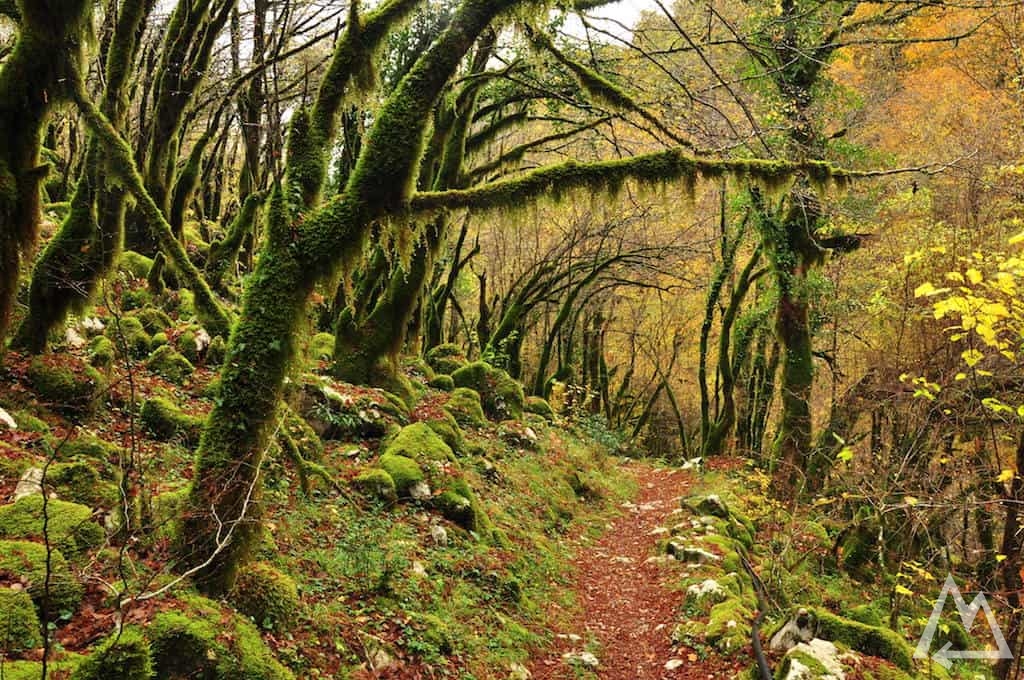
363	562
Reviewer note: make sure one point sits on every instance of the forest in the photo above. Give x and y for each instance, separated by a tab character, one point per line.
511	339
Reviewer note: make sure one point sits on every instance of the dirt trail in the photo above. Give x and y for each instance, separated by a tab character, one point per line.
627	601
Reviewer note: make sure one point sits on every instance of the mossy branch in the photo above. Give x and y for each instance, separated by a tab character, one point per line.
516	154
122	164
601	89
662	167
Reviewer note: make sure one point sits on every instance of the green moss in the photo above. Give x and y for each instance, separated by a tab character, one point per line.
129	333
167	422
216	352
89	447
134	263
186	344
420	443
405	472
19	624
30	423
171	365
729	625
868	614
540	407
201	641
816	668
377	483
102	352
442	382
502	396
447	428
153	320
69	526
267	596
446	359
158	340
81	482
465	406
167	510
870	640
66	382
25	562
122	656
321	347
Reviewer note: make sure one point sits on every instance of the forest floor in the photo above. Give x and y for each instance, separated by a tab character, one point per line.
628	597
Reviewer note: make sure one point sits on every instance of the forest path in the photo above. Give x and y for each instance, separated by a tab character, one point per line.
628	602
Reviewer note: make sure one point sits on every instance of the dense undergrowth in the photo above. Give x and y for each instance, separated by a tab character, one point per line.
422	535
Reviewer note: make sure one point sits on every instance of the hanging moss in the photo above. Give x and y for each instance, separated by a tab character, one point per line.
27	563
267	596
122	656
19	624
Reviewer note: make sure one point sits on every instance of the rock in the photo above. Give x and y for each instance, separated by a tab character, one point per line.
202	340
438	534
420	491
690	554
673	664
798	629
73	338
814	660
693	463
31	483
518	671
708	590
581	659
92	325
6	421
418	568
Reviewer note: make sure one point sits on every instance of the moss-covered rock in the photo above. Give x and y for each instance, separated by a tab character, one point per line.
321	347
169	364
447	428
69	526
867	639
343	412
134	263
122	656
540	407
202	641
102	352
80	482
376	483
465	406
128	332
28	422
189	343
442	382
167	422
501	395
88	447
67	383
159	340
267	596
153	320
25	562
216	352
728	626
19	623
419	442
446	359
405	472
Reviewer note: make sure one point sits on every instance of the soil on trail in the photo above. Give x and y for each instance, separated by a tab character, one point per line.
628	602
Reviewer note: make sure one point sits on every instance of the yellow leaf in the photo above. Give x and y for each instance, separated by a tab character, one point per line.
1014	240
910	500
903	590
1000	558
1005	476
972	356
955	276
960	376
924	289
974	276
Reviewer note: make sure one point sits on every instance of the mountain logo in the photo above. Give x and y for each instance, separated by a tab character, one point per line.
968	612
